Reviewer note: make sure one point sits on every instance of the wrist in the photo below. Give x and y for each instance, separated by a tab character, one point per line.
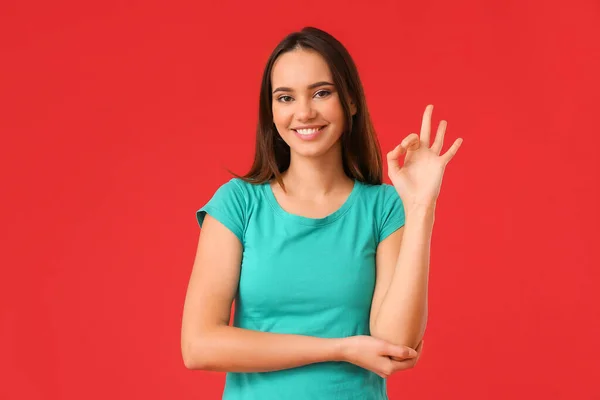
420	210
341	347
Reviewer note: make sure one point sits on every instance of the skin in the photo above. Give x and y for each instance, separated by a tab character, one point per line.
316	180
400	305
316	186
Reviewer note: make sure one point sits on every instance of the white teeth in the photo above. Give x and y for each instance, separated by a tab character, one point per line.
307	131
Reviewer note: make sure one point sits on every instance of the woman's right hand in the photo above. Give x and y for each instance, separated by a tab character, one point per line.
375	355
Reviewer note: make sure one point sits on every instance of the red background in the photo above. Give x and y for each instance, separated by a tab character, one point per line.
119	120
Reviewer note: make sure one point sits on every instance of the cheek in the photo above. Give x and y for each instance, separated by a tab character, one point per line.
333	111
281	117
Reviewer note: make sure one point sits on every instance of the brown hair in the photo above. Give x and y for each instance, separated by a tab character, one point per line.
360	148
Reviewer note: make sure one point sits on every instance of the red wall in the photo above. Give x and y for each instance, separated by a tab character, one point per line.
119	121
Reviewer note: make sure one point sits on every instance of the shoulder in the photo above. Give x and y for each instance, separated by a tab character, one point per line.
380	195
237	194
387	208
237	190
231	204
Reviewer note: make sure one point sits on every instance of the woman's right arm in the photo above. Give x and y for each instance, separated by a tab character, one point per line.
209	343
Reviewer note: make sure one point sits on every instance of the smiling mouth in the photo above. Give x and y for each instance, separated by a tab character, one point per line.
308	132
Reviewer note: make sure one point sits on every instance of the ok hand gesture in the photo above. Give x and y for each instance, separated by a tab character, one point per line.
419	180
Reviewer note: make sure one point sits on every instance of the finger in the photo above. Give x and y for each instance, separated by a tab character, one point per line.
403	364
400	352
426	125
411	142
405	359
393	157
386	368
448	155
419	350
438	143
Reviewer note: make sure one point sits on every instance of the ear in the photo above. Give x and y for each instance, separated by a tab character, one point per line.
352	108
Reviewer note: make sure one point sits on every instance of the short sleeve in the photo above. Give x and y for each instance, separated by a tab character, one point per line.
392	217
227	205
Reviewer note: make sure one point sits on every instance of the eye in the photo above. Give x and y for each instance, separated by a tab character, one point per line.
327	93
283	97
324	92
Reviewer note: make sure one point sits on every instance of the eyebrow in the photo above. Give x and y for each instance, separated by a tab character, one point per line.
312	86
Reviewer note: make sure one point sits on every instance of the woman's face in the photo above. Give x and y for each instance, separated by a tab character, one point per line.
307	111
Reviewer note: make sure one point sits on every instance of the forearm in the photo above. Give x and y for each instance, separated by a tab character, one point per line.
232	349
402	316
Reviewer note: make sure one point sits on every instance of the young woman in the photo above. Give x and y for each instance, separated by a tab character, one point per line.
327	265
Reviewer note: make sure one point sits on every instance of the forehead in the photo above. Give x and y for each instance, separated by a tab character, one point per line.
299	68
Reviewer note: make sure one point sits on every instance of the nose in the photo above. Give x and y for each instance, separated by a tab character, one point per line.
305	110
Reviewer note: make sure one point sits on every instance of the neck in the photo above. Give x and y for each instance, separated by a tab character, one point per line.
316	176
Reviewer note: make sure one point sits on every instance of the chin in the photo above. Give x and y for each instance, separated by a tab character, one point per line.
312	150
309	154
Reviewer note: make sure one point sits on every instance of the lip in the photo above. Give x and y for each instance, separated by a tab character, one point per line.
308	127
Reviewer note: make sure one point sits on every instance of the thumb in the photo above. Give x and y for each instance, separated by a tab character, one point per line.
393	157
400	352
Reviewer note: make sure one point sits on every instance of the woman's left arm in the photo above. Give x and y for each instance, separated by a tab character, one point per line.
399	309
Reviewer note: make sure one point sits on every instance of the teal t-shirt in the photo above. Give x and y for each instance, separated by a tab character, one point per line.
306	276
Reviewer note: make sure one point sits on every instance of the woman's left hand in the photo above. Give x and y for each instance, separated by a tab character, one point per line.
419	180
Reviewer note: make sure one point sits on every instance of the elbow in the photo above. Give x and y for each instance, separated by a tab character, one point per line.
397	337
200	350
187	354
193	357
412	341
190	363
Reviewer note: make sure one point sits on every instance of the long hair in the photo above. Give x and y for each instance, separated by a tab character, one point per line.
361	155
